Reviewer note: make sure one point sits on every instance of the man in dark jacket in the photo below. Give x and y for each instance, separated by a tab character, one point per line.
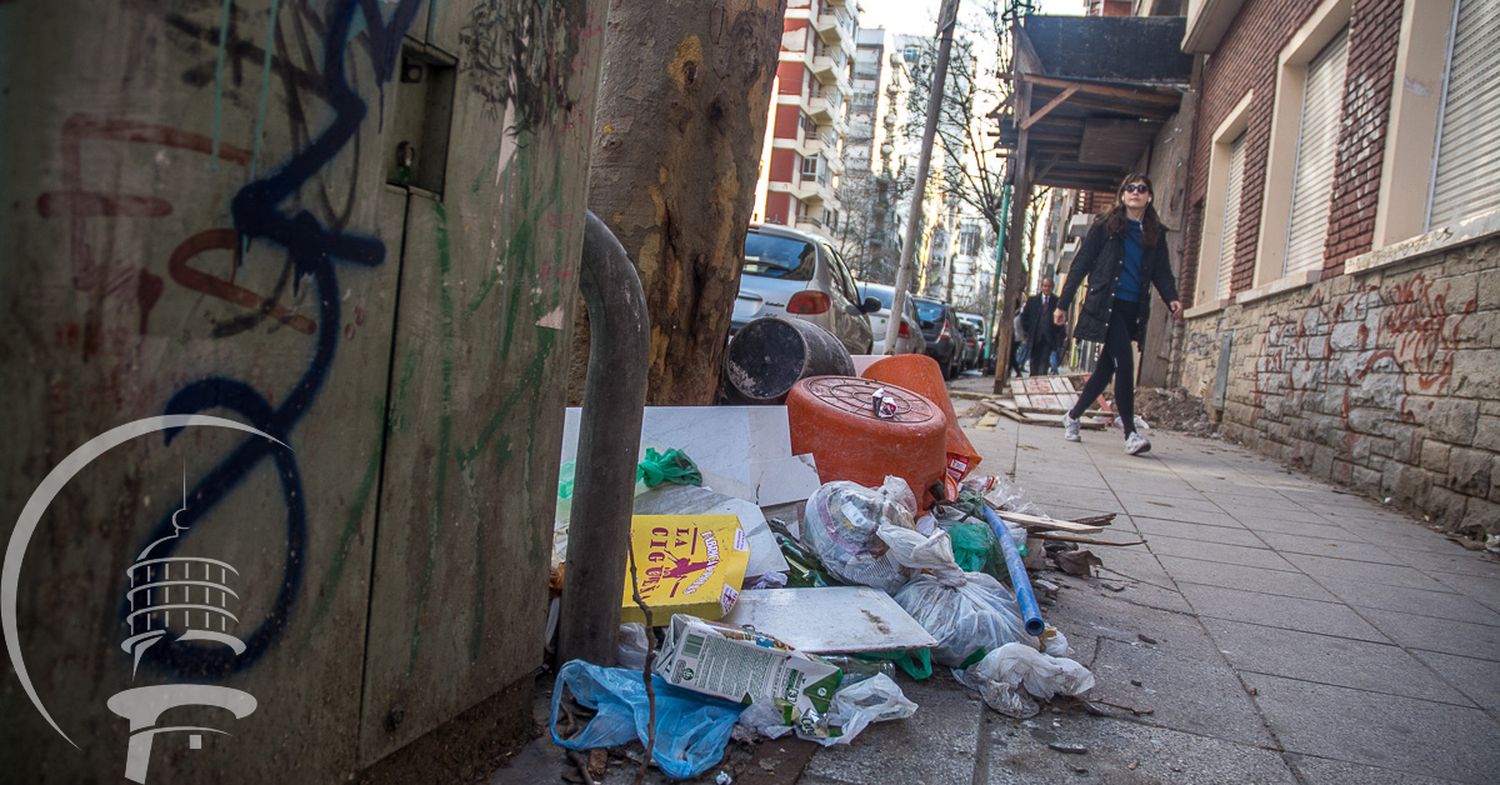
1044	336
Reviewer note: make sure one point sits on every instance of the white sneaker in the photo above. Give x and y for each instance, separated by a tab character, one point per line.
1136	444
1070	428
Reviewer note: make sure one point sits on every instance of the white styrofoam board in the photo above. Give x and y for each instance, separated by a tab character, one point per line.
835	619
743	451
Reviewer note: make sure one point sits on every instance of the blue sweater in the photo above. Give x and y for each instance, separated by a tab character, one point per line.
1132	286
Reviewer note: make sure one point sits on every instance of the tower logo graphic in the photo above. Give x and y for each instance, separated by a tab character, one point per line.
171	599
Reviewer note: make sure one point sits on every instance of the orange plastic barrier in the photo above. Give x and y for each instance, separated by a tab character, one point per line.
921	374
835	419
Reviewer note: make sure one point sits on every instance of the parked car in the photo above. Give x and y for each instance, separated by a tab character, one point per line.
908	334
940	328
797	275
969	346
981	332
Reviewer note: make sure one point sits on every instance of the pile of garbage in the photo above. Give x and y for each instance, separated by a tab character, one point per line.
796	561
1173	409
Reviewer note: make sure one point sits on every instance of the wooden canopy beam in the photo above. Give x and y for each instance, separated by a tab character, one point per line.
1057	101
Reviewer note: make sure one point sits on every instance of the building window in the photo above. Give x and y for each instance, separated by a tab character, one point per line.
1229	226
1301	158
810	167
1466	172
1317	148
911	53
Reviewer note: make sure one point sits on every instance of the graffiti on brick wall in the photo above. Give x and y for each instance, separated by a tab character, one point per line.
1375	347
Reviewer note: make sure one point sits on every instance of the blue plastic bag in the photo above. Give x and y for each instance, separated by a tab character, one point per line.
691	729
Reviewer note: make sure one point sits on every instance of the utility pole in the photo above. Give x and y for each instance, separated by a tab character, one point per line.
947	18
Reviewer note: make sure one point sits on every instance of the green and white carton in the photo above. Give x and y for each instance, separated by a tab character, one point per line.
747	667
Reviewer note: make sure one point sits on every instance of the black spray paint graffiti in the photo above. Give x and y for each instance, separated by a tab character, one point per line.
520	54
314	250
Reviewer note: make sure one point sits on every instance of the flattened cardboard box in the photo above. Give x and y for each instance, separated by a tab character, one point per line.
742	666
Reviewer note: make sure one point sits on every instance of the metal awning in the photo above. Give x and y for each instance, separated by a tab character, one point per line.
1092	93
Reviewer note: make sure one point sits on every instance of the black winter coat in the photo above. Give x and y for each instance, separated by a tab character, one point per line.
1100	260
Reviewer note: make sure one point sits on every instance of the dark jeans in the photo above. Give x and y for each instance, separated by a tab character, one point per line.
1117	360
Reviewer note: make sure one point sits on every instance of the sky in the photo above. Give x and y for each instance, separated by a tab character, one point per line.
920	16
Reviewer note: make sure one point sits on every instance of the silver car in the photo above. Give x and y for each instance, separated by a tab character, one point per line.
909	338
795	274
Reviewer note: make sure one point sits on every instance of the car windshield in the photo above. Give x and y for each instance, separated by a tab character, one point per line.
880	293
770	256
929	312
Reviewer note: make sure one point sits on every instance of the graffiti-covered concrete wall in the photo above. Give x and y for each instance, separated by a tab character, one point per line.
1386	380
350	229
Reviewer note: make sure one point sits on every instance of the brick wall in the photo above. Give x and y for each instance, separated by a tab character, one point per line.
1246	60
1374	34
1386	381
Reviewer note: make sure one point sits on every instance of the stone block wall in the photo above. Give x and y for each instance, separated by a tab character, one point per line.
1386	381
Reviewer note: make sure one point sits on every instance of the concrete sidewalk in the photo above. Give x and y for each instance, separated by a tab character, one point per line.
1272	630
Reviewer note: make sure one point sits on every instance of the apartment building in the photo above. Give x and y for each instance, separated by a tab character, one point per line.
875	158
804	162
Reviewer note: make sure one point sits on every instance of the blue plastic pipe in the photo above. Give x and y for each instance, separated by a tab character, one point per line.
1025	597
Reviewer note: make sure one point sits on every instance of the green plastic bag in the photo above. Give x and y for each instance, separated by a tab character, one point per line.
976	549
671	466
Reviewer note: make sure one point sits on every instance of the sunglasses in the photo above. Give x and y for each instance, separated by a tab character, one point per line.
1136	188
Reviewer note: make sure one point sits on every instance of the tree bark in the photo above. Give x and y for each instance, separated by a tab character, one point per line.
682	113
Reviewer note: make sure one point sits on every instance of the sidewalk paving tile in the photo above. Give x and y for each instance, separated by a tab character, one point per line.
1323	546
1481	641
1220	519
1389	574
1199	695
1324	771
1291	522
1128	753
1233	576
1220	552
1340	662
1323	618
1485	591
1441	605
1478	679
1407	536
1385	731
1192	530
935	746
1454	560
1116	618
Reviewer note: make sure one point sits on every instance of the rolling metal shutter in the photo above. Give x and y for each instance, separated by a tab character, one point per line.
1317	145
1229	229
1466	176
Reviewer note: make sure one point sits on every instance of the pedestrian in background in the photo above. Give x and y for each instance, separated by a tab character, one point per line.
1123	255
1041	333
1018	342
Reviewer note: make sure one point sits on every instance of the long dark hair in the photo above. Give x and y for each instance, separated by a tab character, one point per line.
1116	221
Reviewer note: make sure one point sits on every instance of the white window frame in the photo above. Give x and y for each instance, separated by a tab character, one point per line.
1232	128
1329	20
1452	42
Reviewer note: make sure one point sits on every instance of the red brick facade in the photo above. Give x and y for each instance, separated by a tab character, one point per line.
1245	60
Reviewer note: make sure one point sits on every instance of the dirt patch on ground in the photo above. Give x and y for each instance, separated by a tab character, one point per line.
1171	408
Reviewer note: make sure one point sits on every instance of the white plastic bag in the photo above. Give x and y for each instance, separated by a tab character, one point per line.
1001	493
840	525
631	646
978	613
854	708
932	554
1003	673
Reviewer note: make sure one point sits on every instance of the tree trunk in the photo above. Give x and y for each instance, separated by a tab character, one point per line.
682	112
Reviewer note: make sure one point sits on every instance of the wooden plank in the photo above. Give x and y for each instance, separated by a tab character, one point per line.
1085	540
1049	106
988	421
831	620
1144	96
1045	523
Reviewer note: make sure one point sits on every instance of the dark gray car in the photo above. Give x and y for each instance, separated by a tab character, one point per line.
940	328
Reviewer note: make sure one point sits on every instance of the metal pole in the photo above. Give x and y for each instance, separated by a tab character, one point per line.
947	18
609	439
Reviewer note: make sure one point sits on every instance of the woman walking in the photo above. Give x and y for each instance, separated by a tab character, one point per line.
1123	256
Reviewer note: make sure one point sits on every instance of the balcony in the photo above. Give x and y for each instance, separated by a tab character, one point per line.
835	26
